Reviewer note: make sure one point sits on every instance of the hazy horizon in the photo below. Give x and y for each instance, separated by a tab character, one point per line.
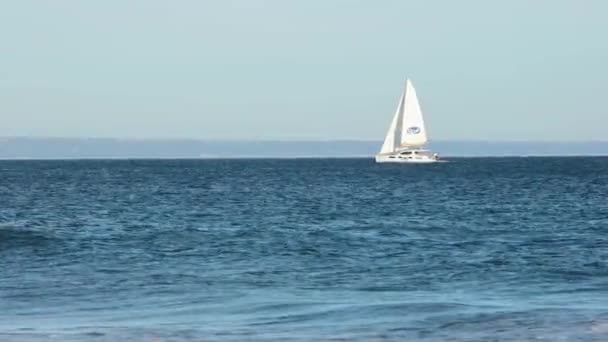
103	148
314	70
287	140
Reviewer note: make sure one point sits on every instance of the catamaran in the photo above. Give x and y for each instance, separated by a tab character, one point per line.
407	135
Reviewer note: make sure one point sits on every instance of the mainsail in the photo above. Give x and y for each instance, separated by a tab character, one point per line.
407	128
413	132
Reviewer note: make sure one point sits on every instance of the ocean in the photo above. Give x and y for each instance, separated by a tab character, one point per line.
475	249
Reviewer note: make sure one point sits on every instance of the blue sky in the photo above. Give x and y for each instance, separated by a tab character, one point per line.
315	69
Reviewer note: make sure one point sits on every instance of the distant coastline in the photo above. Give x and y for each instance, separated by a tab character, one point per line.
111	148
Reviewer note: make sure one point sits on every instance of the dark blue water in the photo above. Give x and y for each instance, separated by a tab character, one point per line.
474	249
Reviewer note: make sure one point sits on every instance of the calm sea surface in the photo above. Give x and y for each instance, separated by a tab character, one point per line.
505	249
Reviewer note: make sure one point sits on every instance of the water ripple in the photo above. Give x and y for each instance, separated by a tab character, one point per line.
478	249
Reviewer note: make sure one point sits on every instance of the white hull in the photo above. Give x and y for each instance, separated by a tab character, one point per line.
396	158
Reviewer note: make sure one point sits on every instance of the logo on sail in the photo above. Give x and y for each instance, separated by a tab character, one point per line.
413	130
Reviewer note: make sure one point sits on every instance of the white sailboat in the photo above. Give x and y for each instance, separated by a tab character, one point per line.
407	134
